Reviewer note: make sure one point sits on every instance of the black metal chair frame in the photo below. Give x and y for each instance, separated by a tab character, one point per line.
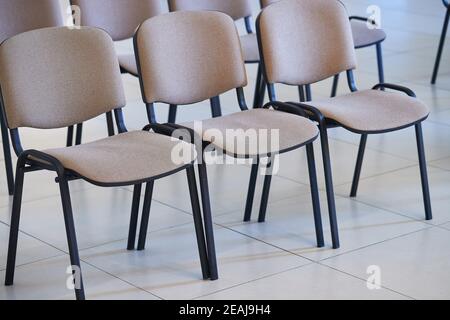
441	42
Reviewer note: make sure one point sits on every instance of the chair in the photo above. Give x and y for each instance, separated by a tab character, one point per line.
16	17
237	9
363	37
441	43
306	41
83	66
199	56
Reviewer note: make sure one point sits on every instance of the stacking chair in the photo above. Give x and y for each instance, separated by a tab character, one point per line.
316	43
16	17
188	57
57	77
237	9
120	18
442	42
363	37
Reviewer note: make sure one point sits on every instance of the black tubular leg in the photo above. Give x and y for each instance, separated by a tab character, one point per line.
441	47
71	237
14	231
145	215
265	194
134	216
334	89
308	92
79	134
7	156
69	141
301	93
173	113
359	163
315	195
207	217
423	172
329	186
257	97
380	63
110	124
196	211
216	110
251	191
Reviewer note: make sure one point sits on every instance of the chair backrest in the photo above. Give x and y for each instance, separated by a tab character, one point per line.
17	16
188	57
305	41
58	77
237	9
265	3
120	18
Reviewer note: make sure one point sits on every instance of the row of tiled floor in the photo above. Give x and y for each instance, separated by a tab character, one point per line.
383	227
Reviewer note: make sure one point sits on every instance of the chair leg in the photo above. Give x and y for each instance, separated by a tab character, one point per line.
251	191
216	109
69	139
7	156
172	114
441	47
134	216
334	89
257	97
315	195
71	237
262	92
380	63
110	124
79	134
359	163
145	215
329	186
265	193
199	231
301	93
15	220
423	172
207	217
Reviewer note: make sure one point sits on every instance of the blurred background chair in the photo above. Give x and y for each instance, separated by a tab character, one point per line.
442	42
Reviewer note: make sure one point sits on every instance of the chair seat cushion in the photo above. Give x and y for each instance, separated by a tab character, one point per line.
363	36
257	132
373	110
125	158
128	63
250	49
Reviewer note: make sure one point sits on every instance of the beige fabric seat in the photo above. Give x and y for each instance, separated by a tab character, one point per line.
363	36
293	132
373	110
249	44
128	63
125	158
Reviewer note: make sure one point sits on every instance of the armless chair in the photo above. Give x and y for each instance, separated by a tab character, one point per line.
188	57
16	17
363	37
57	77
306	41
237	9
120	18
442	42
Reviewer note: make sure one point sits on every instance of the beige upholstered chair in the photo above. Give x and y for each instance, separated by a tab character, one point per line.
16	17
238	10
305	41
57	77
187	57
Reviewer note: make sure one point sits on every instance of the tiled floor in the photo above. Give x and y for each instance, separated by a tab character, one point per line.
384	227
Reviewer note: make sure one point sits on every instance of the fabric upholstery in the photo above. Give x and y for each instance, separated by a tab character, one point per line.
187	57
265	3
237	9
128	157
305	41
57	77
120	18
363	36
250	47
128	63
17	16
373	110
293	131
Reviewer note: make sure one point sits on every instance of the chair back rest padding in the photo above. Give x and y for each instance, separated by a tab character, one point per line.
237	9
120	18
189	56
266	3
58	77
17	16
305	41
